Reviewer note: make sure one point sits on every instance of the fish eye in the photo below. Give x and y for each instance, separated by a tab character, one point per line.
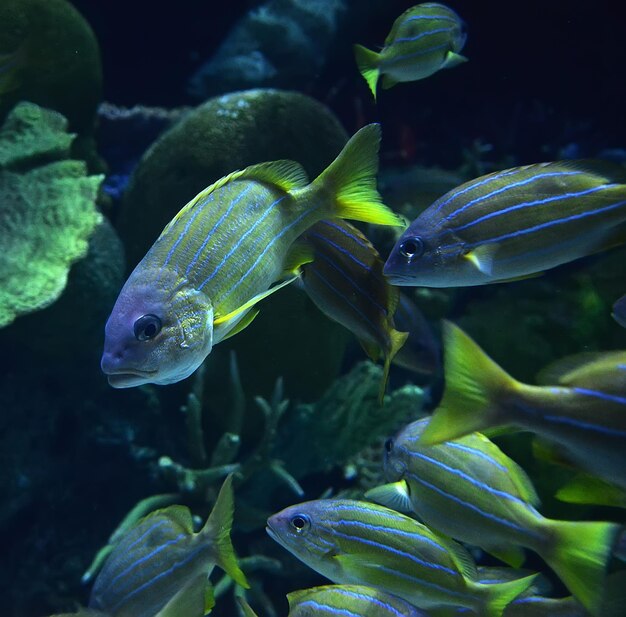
389	445
147	327
300	523
412	247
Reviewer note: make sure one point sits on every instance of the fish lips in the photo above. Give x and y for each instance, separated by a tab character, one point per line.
129	378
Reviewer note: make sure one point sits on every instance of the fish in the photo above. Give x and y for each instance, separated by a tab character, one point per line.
619	311
161	565
345	281
220	255
348	600
424	39
513	224
10	66
584	414
470	490
356	542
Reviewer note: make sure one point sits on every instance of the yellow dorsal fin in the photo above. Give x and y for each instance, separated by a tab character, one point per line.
286	175
250	303
179	515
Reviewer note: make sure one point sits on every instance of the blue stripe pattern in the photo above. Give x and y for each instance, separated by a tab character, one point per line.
340	248
409	39
416	54
370	599
318	607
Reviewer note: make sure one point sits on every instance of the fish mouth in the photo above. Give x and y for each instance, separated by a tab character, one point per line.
399	279
129	378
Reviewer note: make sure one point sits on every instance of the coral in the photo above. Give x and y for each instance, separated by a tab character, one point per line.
223	134
47	211
57	59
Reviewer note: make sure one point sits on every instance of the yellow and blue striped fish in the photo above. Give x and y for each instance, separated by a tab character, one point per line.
424	39
584	413
221	254
470	490
345	280
513	224
619	311
161	563
355	542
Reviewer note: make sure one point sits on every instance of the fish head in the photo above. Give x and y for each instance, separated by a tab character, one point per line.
305	530
160	330
398	450
427	256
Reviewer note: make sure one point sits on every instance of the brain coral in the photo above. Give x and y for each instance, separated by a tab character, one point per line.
47	210
52	59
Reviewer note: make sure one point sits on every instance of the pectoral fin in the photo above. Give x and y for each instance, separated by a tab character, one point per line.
453	59
482	258
243	324
395	495
221	319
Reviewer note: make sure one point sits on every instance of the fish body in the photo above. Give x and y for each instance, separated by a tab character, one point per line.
513	224
619	311
354	542
470	490
162	563
219	256
424	39
348	600
585	414
345	280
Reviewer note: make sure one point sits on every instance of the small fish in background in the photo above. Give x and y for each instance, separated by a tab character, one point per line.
10	64
220	255
619	311
470	490
345	281
161	567
513	224
424	39
584	414
355	542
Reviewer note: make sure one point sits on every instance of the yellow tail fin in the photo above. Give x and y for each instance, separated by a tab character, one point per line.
499	595
474	385
351	178
368	61
218	528
579	556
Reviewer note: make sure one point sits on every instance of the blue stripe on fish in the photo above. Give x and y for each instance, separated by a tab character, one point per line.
454	193
372	599
415	54
487	515
232	204
536	202
347	253
317	606
392	530
509	187
354	284
142	561
424	583
528	230
267	248
409	39
395	551
154	580
457	472
622	367
239	241
355	308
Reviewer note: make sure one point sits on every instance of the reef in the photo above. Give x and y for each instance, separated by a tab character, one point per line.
48	210
55	60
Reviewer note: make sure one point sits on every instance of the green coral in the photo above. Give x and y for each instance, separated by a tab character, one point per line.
57	59
47	210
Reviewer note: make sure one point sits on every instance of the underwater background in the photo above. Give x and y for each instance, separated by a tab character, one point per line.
164	100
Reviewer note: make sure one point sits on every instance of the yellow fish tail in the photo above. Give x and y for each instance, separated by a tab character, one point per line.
474	386
368	62
500	595
397	341
218	528
579	556
351	179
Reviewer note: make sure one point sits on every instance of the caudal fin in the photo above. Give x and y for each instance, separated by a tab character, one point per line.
351	179
368	63
499	595
474	385
218	527
579	555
